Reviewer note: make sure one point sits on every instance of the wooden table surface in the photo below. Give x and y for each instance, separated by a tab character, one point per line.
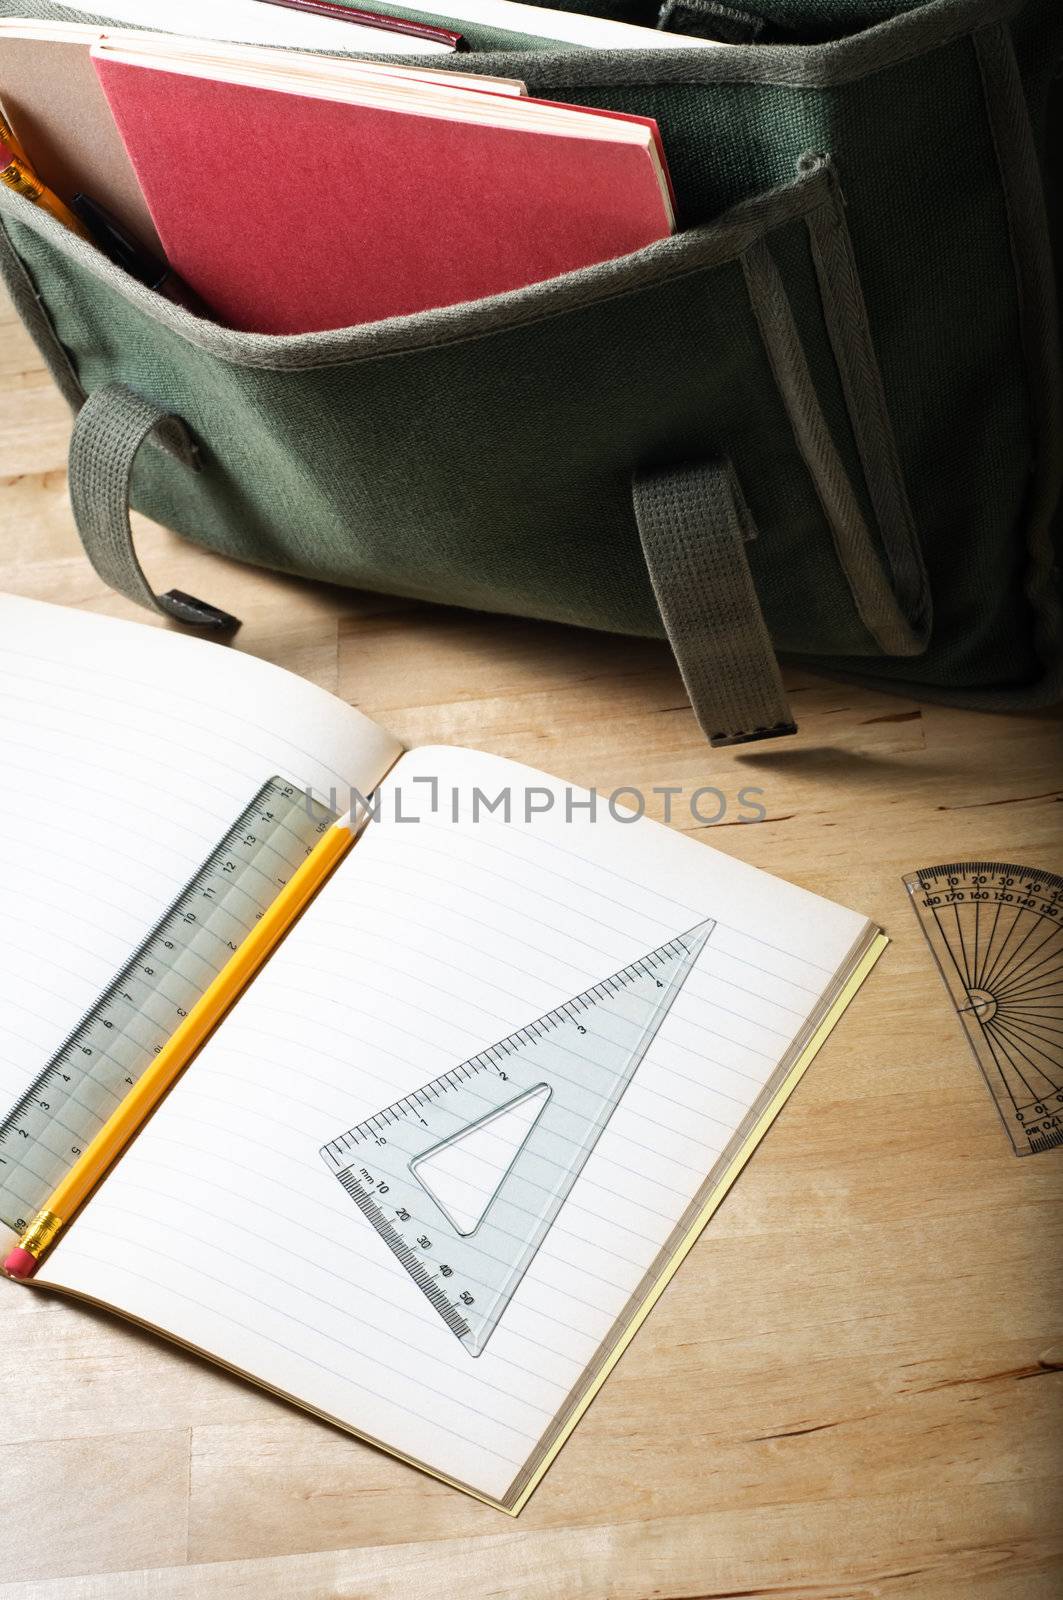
853	1387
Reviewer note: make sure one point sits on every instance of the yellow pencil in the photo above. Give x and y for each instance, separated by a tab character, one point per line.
9	137
127	1118
16	173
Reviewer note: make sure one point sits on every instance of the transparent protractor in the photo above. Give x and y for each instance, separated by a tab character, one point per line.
997	932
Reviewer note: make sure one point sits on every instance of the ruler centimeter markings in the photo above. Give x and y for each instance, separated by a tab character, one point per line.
464	1178
996	933
128	1024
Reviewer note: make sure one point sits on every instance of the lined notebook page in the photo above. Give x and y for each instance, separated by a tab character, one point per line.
434	939
126	753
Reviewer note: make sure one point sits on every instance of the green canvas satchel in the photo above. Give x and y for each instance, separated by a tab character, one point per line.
822	421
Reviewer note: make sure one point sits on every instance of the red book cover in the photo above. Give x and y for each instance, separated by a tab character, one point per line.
288	213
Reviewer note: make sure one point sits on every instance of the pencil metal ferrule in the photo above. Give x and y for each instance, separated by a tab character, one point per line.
40	1233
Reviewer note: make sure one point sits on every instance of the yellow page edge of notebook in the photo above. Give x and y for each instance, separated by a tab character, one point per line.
720	1190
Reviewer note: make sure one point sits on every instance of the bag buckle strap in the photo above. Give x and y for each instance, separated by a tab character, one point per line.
694	525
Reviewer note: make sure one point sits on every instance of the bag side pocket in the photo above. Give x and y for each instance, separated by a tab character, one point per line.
891	598
1022	185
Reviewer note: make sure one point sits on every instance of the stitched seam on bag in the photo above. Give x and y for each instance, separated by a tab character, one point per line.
745	222
1009	126
34	313
896	40
875	602
892	43
849	330
583	303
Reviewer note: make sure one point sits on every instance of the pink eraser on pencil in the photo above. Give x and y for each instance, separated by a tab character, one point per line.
19	1263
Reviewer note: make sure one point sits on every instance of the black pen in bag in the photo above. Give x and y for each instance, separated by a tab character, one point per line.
127	252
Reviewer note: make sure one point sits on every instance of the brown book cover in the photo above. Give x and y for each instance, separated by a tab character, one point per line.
52	99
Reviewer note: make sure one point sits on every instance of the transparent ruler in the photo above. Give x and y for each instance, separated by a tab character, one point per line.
91	1072
996	931
464	1178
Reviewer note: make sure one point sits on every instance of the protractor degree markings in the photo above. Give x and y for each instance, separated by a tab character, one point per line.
1023	960
1025	967
1022	1048
990	954
1029	971
1045	1020
977	910
1003	954
968	983
1018	1020
1002	1076
1043	974
1032	1022
1037	1029
1021	1040
1031	1005
1014	1047
960	976
1006	1065
1039	993
974	942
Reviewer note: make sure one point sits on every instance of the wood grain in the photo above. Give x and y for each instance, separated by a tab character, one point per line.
853	1388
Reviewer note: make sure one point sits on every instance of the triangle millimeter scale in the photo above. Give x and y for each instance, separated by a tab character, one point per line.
463	1178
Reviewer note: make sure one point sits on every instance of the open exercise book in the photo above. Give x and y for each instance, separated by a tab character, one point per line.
432	1169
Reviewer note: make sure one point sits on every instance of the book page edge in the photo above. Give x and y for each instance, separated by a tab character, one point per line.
720	1190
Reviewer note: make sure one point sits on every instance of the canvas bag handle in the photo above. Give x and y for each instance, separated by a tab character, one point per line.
109	430
692	521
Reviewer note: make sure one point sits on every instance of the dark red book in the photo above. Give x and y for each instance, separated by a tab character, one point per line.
375	19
